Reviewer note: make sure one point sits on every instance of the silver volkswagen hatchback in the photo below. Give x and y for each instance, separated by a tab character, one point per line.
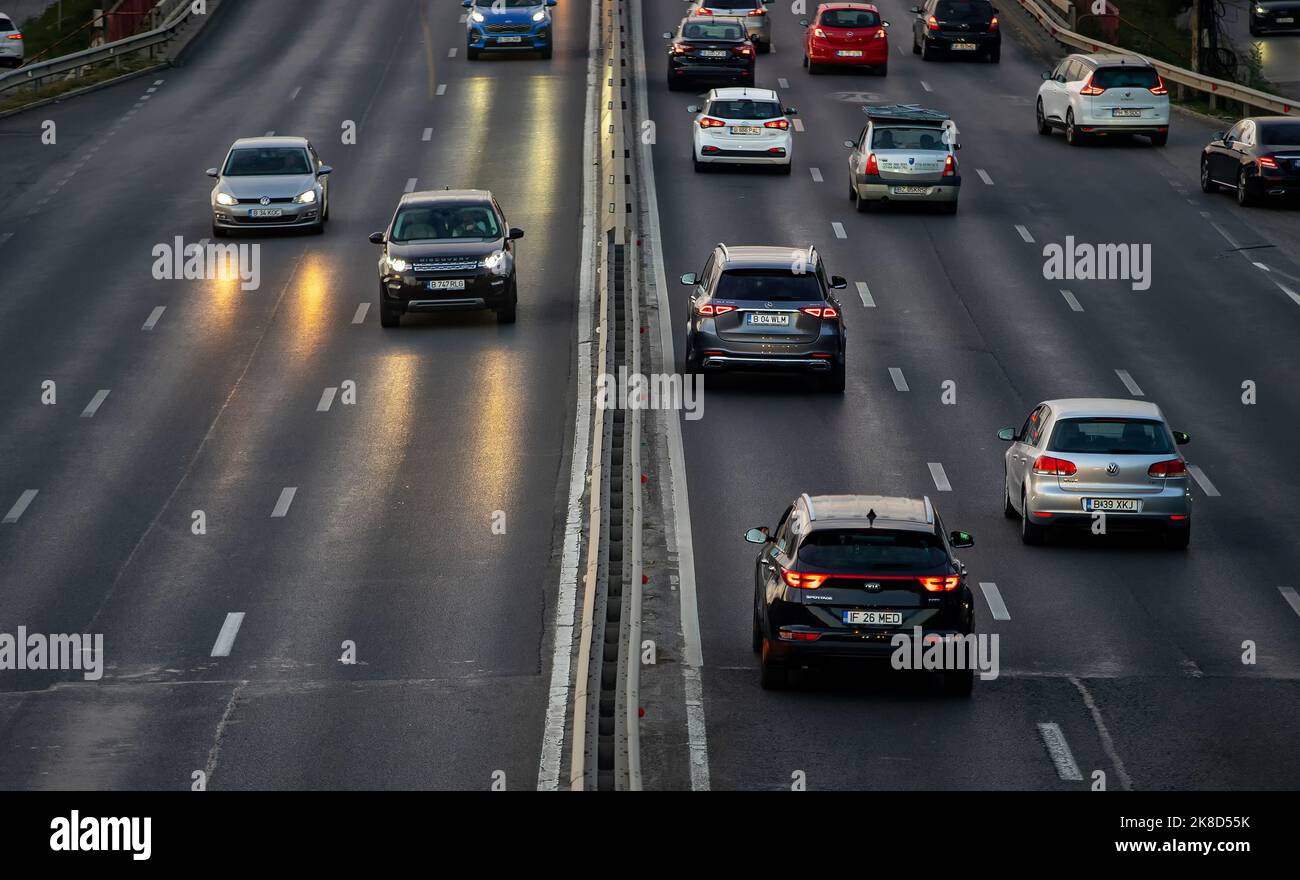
270	183
1088	460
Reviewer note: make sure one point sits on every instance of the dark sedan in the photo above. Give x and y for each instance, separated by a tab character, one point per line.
1274	15
1257	157
709	49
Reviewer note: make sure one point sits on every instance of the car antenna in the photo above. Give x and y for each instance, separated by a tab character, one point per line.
871	518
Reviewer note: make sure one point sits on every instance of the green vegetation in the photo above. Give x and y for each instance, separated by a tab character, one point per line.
21	97
43	31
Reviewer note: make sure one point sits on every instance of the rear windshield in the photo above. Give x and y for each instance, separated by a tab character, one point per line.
732	4
275	160
745	109
1125	77
1280	133
6	24
721	30
1111	437
508	4
768	284
964	10
871	550
422	223
900	138
850	18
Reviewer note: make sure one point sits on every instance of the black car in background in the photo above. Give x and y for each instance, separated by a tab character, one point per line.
1274	15
842	575
709	49
954	28
1257	157
447	250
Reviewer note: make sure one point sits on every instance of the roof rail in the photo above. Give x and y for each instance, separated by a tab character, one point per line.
812	514
929	510
726	254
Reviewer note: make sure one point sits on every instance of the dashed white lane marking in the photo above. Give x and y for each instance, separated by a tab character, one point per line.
900	382
226	638
360	316
294	94
900	51
151	89
410	185
816	174
1059	751
798	125
925	85
1289	594
1295	297
271	133
984	176
1132	386
1261	267
1205	214
782	82
145	97
940	478
442	89
1103	734
326	399
20	505
282	505
157	82
152	321
838	229
1024	233
865	293
451	53
1228	238
1075	305
997	607
427	135
1202	480
95	403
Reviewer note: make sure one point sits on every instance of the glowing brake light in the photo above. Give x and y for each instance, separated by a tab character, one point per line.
872	167
880	34
743	50
16	35
679	49
1046	465
710	122
932	23
782	124
1174	467
1090	89
821	311
802	580
993	25
949	166
759	11
703	10
940	584
710	310
1159	87
1267	162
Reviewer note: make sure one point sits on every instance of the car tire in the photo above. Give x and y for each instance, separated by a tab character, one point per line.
1073	136
219	232
1159	139
318	228
1044	127
995	56
1178	539
1255	32
771	676
834	383
949	207
690	360
814	68
927	54
787	167
916	49
805	59
1207	184
388	317
865	206
672	83
700	167
757	640
508	313
471	53
762	48
1008	509
548	53
960	683
1031	533
1245	197
883	70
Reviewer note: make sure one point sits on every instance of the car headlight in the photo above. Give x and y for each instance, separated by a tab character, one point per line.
305	198
539	15
397	264
226	199
495	262
1259	10
476	16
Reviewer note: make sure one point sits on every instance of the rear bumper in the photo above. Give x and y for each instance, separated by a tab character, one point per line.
1048	498
717	153
937	189
1106	125
983	42
711	72
778	363
874	52
835	646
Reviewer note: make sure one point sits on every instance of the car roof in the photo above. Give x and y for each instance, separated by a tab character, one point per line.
1112	407
275	141
866	7
766	256
911	114
893	511
1114	59
1258	119
434	196
733	92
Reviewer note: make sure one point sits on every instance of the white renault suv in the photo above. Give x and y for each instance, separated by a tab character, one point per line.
11	43
742	126
1102	95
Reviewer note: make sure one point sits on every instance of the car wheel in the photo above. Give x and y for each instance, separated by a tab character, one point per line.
762	48
785	169
507	313
699	166
219	232
758	633
672	83
319	228
548	53
388	317
1178	539
865	205
960	683
813	67
1073	137
1245	197
1044	127
927	54
1255	32
471	53
834	383
1160	139
805	59
883	70
996	55
949	208
772	676
1008	509
1030	533
1207	185
916	49
690	360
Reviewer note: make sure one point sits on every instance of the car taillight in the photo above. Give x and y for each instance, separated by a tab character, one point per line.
821	311
743	50
703	11
1174	467
818	32
801	580
1267	162
709	310
940	584
993	25
782	124
880	34
1159	87
949	166
1049	466
710	122
759	11
679	49
872	167
16	35
1090	89
932	23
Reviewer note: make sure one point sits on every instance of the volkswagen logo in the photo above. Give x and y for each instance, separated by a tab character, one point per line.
849	34
872	586
264	200
1112	468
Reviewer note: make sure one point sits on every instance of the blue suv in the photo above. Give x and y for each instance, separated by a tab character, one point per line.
509	26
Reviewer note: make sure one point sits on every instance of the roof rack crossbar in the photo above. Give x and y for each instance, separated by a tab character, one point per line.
812	514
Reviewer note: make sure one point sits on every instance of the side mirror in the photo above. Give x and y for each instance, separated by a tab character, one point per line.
956	146
376	238
325	169
668	36
1060	77
515	234
915	9
838	282
693	108
211	172
961	540
468	3
757	536
790	111
1047	74
689	279
1220	135
850	144
1007	435
550	2
884	24
1182	438
803	22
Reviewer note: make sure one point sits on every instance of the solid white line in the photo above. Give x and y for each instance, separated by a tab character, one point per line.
940	478
295	92
1289	594
1059	751
1295	297
1129	383
152	321
839	230
782	82
798	125
1232	241
1024	233
20	505
286	498
816	174
984	176
1075	305
360	316
95	403
428	135
326	400
1202	480
925	85
900	383
442	89
865	293
410	185
226	638
994	598
1103	733
1261	267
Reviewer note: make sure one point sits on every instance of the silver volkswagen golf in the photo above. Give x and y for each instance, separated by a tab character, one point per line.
270	183
1088	460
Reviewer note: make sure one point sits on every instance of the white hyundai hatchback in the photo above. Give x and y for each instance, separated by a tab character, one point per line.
11	42
742	126
1101	95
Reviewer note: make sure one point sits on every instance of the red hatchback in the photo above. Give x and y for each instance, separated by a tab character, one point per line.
846	34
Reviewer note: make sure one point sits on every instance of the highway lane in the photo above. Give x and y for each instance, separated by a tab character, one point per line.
1126	630
1280	53
387	541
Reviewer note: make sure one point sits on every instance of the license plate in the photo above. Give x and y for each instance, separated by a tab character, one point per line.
964	47
450	284
510	39
1286	21
874	618
910	190
711	53
762	318
1119	112
849	53
746	129
1128	505
266	212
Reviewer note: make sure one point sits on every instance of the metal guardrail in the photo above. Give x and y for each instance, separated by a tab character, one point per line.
1181	76
168	15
